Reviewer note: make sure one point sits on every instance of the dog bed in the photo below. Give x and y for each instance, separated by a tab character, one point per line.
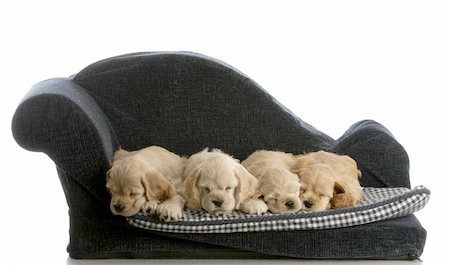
170	99
376	204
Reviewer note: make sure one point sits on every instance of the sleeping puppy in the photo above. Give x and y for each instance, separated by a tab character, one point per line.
217	183
146	180
278	186
328	180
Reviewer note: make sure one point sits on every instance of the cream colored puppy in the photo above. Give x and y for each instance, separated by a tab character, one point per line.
278	186
217	183
146	180
328	180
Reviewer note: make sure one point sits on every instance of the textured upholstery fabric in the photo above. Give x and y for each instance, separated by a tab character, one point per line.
185	102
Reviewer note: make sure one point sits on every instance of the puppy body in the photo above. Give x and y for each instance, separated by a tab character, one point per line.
279	187
146	180
328	180
217	183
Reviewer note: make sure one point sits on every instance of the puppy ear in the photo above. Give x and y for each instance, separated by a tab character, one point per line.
108	176
157	187
338	188
341	197
191	191
247	185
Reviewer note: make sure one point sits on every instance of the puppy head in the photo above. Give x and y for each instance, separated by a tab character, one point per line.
280	190
218	183
125	187
131	185
317	187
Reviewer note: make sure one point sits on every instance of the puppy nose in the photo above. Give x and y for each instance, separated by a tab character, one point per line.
217	203
118	208
308	204
289	204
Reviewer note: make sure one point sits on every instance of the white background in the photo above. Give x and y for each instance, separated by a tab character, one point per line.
332	63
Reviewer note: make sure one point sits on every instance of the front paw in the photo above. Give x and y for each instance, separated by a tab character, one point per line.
169	211
254	207
149	207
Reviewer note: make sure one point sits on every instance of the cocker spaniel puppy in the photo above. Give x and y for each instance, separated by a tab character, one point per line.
146	180
328	180
217	183
278	186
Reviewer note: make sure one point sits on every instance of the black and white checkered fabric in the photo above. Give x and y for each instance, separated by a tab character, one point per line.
376	204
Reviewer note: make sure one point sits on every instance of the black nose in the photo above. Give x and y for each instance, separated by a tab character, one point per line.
217	203
289	204
308	204
118	208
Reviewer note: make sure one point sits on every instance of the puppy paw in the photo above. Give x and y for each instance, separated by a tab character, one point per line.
149	207
254	207
169	211
223	214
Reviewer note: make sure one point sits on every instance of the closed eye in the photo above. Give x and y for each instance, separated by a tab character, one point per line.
228	189
134	194
273	200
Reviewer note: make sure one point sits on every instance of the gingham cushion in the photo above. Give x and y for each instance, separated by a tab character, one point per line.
376	204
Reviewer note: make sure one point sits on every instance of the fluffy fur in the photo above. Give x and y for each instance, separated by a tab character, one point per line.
278	186
328	180
146	180
217	183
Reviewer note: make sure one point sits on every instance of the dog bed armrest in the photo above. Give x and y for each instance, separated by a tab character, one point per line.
60	118
382	159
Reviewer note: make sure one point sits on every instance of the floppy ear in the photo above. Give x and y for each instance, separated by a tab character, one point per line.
341	197
247	185
259	192
264	186
108	176
157	187
338	188
191	192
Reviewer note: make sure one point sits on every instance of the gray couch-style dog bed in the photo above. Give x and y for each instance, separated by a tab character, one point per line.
185	102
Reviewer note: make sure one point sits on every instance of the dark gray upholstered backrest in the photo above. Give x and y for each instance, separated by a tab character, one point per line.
186	102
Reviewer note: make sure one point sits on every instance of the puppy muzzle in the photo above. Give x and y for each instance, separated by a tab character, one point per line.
217	204
119	208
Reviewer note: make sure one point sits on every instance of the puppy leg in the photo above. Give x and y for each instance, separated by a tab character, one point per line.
253	206
171	209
